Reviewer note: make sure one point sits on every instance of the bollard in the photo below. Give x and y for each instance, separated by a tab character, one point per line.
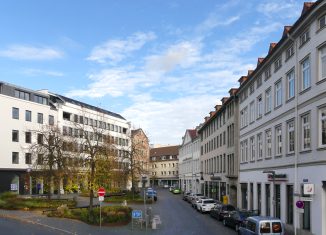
154	224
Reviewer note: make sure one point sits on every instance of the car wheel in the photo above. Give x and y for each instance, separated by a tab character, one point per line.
237	227
224	222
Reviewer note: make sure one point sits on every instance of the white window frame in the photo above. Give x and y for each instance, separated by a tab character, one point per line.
252	111
259	106
290	78
289	52
322	22
252	148
305	74
306	132
304	38
278	93
277	63
290	137
322	63
278	140
259	146
322	128
268	100
268	143
246	150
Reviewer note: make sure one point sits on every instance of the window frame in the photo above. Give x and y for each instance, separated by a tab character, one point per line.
268	143
278	141
321	56
290	137
303	125
268	100
40	118
278	93
290	81
15	157
28	115
15	113
303	77
321	132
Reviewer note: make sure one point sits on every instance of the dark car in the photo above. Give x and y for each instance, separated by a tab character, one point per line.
220	211
186	195
235	218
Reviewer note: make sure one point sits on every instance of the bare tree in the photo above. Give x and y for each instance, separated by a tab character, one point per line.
52	153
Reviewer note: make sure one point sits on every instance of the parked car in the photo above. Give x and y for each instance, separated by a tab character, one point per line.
235	218
171	188
192	195
166	186
205	205
186	195
221	211
195	199
151	193
176	191
261	225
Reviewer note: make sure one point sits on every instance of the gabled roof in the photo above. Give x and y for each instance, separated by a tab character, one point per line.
193	133
306	7
164	151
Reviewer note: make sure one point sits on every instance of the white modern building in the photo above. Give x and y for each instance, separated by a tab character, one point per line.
189	163
25	112
219	151
283	127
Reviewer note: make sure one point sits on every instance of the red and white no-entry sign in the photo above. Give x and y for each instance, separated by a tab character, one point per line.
101	192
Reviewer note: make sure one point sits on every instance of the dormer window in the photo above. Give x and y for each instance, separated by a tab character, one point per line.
289	52
268	73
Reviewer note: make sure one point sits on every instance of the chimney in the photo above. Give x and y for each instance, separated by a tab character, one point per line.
211	113
250	72
306	7
260	59
286	31
206	119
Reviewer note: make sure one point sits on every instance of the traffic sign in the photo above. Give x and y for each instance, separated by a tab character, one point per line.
300	204
136	214
101	198
101	192
306	199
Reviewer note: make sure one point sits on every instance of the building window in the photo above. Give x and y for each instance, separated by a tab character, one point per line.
305	73
278	94
322	22
251	88
291	137
304	38
259	81
268	73
268	199
51	120
252	149
305	122
39	159
28	137
242	151
322	63
15	158
40	118
259	106
40	99
28	158
322	124
252	111
291	84
259	146
289	203
268	143
28	116
268	100
246	150
289	52
15	136
278	140
277	64
15	113
22	95
40	138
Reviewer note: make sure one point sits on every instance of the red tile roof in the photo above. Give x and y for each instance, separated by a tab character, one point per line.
193	133
271	46
165	151
306	7
286	30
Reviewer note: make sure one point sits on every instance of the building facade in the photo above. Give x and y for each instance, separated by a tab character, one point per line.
164	168
282	143
26	112
219	158
189	163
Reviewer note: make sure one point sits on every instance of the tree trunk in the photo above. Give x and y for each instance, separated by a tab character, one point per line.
91	191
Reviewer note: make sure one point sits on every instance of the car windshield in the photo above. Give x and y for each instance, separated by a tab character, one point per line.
265	227
276	227
209	201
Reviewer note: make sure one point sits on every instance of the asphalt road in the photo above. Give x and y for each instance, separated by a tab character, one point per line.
177	216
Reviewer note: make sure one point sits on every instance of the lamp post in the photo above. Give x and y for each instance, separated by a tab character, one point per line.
274	191
28	170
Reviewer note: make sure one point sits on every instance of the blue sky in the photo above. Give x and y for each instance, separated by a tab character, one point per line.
162	64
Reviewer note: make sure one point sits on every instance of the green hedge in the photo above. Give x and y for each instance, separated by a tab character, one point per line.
110	214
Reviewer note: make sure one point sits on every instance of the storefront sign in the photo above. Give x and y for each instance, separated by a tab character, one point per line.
278	177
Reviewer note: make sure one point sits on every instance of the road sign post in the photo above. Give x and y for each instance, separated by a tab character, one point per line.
101	193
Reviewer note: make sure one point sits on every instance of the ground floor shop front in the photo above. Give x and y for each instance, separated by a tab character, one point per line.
278	193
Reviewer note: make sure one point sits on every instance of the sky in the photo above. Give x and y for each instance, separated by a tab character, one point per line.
162	64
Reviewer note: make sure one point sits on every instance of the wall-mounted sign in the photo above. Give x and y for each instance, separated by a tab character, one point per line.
308	189
278	177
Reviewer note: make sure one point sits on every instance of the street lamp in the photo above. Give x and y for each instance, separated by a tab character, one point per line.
274	191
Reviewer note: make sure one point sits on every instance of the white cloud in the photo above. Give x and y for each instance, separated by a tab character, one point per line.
280	9
24	52
183	54
215	20
167	121
116	50
41	72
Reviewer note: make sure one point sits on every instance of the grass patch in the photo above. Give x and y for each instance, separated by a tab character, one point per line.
11	201
128	197
111	215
